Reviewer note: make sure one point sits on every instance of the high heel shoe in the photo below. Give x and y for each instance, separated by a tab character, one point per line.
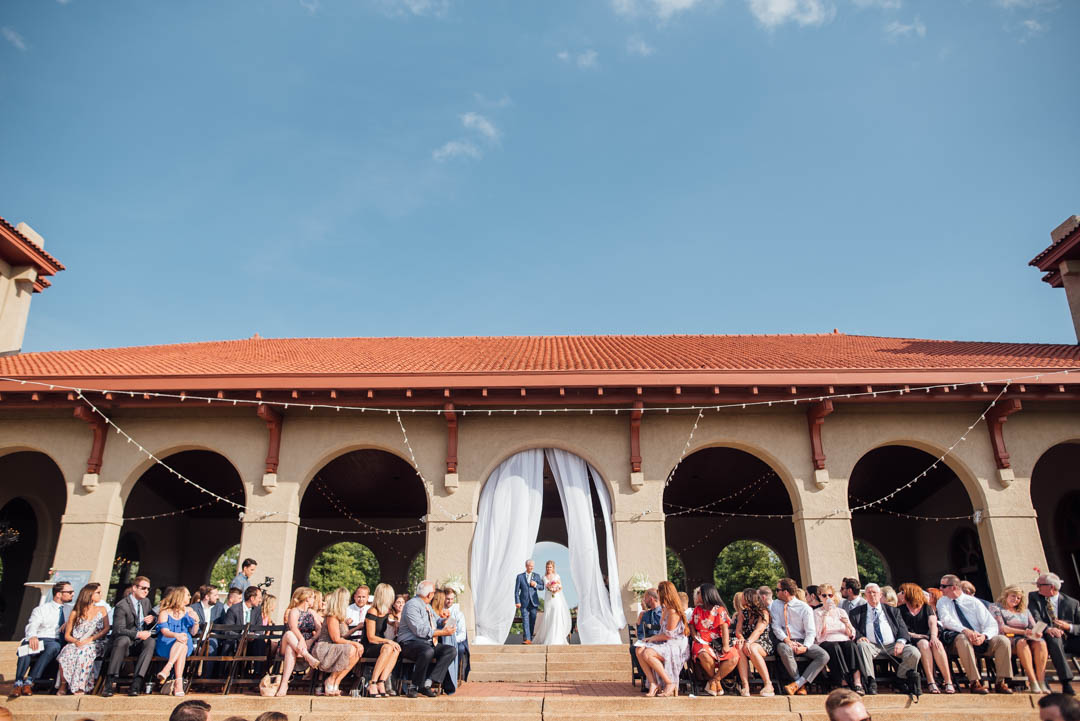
373	690
672	689
653	690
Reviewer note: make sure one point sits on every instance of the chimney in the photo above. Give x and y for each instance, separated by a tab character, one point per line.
19	279
1061	263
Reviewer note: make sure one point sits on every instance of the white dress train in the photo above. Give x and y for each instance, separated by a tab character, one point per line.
553	625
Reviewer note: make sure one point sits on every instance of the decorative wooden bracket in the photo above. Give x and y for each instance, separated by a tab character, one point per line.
995	420
450	480
273	426
97	448
815	417
635	437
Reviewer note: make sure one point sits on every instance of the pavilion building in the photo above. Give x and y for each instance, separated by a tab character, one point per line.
940	455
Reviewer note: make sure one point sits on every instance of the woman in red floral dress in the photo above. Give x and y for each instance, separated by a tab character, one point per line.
712	638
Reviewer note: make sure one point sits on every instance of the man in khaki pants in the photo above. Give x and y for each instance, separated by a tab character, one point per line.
976	633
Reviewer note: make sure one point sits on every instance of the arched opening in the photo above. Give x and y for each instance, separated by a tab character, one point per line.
871	564
923	531
720	495
161	506
746	564
1055	495
32	500
417	568
369	497
344	565
544	496
225	568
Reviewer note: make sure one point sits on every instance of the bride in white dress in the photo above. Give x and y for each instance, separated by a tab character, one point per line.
553	625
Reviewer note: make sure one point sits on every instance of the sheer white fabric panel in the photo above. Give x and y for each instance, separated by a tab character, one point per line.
614	586
596	622
508	521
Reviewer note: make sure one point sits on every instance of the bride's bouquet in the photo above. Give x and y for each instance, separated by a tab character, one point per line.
554	586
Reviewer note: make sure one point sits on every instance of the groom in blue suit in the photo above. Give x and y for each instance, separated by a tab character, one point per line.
527	598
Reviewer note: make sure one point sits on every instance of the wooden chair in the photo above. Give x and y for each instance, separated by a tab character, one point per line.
216	670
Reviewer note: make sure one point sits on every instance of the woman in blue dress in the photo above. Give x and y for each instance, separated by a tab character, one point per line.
177	627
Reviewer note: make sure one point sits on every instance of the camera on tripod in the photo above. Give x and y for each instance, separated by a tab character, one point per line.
267	583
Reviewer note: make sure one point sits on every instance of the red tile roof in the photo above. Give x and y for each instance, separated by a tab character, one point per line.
17	249
497	356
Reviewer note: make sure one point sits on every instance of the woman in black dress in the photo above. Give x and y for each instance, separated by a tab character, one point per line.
921	622
377	645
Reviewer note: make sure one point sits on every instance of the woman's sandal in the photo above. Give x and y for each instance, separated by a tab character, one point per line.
949	688
672	689
932	688
373	690
767	691
744	691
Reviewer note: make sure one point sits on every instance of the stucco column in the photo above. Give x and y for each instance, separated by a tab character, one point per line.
88	543
826	546
446	553
639	546
272	542
1009	534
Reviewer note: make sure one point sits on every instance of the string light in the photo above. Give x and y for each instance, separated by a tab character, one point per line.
514	411
177	512
686	446
915	517
339	506
683	510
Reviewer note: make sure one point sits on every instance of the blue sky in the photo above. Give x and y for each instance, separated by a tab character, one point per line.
209	170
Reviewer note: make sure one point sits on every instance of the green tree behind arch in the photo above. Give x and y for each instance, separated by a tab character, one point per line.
746	564
676	571
417	569
870	564
345	565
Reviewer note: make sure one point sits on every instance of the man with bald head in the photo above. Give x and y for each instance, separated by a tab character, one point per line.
1061	614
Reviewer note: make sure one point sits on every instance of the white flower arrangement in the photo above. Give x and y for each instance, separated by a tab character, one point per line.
455	582
639	583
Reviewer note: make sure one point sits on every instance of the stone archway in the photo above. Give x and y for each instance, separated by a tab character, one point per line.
31	504
1055	495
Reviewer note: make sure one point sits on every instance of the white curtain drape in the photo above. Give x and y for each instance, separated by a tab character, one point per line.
508	521
600	617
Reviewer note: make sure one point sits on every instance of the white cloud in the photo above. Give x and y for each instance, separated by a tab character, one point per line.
662	10
310	5
883	4
456	149
585	59
1031	28
773	13
434	8
897	29
1012	4
503	102
636	46
14	38
477	122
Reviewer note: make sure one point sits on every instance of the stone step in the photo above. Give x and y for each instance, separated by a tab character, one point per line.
600	675
519	648
513	676
577	648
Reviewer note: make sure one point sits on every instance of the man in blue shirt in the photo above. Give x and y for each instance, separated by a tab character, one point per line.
247	570
418	637
648	625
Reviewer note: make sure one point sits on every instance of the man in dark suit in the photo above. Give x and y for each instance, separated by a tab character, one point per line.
250	611
208	609
1061	614
527	599
880	633
131	628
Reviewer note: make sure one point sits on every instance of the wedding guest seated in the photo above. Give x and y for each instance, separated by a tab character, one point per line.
889	596
243	578
880	633
648	623
813	600
752	639
849	591
300	636
177	629
766	595
267	609
418	638
793	627
663	655
1016	623
207	607
686	602
932	597
972	631
461	667
358	609
922	626
133	624
377	645
272	716
395	614
836	635
1061	614
711	634
233	597
248	611
969	588
442	616
84	632
336	652
43	637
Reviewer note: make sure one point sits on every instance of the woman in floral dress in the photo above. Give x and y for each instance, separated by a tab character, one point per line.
85	633
752	639
712	638
662	656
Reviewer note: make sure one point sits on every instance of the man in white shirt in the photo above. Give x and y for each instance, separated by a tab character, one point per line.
793	627
976	633
42	639
357	610
880	633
